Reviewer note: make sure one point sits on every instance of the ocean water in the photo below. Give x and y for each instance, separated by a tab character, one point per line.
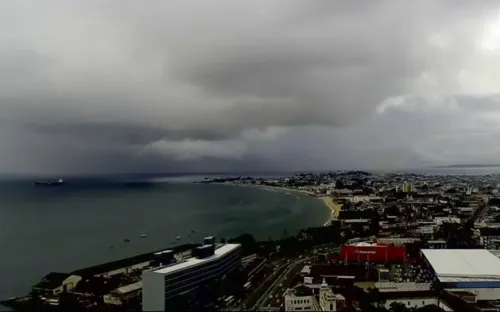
85	222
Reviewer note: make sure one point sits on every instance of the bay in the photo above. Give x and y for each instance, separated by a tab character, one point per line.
85	222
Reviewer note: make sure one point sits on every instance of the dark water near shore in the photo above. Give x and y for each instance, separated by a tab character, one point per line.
85	222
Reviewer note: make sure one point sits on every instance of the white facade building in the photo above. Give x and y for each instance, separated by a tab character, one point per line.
418	303
441	220
299	303
472	270
163	284
329	301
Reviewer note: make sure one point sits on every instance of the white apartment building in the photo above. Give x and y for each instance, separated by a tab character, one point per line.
159	286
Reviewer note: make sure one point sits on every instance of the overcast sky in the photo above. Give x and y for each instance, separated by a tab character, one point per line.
127	85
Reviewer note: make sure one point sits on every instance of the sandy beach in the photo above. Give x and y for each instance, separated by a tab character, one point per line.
334	207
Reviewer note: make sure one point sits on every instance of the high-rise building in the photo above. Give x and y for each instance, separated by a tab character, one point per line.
408	187
191	283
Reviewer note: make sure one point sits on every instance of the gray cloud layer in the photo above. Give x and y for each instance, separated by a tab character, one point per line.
87	86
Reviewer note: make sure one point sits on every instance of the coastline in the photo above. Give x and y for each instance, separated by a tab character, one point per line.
328	201
267	187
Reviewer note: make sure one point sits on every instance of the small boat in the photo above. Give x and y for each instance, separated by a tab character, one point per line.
59	182
177	237
126	240
144	235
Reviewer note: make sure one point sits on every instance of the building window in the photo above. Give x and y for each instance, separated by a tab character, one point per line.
423	302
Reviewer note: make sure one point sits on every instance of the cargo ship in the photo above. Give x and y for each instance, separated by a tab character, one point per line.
59	182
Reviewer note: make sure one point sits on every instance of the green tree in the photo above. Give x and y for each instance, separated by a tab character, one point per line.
430	308
375	297
69	302
398	307
247	241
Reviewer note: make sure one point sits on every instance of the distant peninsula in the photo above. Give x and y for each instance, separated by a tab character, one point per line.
471	166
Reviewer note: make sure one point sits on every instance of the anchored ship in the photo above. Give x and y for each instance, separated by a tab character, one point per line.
59	182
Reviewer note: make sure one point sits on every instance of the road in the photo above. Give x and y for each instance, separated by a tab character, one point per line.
273	297
276	290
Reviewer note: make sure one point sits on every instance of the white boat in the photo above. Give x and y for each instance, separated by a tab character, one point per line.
144	235
178	237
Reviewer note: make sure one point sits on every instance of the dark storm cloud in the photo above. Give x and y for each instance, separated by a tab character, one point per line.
119	85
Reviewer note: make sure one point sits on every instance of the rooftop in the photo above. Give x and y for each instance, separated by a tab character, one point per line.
454	265
52	280
129	288
306	269
123	263
191	262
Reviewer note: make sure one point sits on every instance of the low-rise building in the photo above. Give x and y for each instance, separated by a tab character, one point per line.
414	300
123	294
489	237
329	301
441	220
472	270
56	283
300	299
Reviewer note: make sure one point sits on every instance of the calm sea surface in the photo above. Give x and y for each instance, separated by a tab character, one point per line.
85	222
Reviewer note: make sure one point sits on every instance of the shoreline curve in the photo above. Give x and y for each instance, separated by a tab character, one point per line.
328	201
